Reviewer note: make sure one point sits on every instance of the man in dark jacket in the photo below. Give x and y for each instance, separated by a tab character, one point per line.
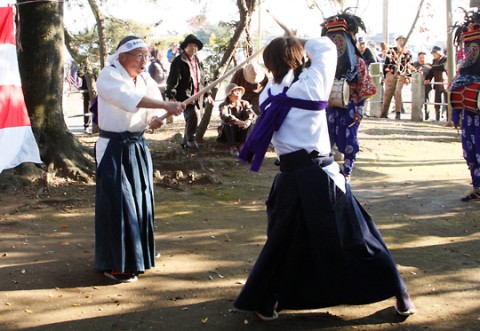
185	79
439	75
366	52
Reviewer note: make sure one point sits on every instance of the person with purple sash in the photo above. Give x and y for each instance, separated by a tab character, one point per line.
322	248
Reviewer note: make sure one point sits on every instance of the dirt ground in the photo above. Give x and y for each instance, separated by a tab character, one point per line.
210	226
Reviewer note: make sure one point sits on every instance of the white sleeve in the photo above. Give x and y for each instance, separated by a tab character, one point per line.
322	53
154	92
117	90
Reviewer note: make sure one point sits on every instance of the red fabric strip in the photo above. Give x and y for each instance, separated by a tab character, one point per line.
7	34
13	111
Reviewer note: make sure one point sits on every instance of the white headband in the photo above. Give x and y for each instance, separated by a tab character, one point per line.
127	47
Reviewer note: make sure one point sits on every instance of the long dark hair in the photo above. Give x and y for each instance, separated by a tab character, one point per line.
281	55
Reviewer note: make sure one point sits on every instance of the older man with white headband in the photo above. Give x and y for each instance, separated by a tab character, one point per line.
128	103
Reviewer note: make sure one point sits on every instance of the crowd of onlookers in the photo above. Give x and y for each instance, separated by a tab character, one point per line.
397	67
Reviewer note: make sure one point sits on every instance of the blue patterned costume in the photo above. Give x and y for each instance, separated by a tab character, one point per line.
465	93
343	123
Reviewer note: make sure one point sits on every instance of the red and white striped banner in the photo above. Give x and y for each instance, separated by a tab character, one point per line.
17	142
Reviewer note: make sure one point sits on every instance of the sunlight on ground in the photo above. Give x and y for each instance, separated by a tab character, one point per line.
429	241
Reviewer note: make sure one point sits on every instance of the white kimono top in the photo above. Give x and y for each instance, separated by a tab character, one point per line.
118	97
306	129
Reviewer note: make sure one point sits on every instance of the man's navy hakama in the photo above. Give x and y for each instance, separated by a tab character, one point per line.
322	248
124	217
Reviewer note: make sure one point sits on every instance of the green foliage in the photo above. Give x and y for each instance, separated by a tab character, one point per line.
87	40
117	29
216	39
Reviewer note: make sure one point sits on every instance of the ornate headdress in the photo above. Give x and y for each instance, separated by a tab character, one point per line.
469	29
343	21
341	29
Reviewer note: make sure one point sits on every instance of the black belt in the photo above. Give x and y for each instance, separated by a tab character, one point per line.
301	158
122	136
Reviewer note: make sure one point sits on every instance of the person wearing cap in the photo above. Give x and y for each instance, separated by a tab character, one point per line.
237	117
439	75
366	52
253	79
129	102
185	79
398	66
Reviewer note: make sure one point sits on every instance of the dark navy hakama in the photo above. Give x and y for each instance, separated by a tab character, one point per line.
322	248
124	208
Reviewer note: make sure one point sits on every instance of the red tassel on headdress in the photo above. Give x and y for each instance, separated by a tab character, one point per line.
338	24
472	33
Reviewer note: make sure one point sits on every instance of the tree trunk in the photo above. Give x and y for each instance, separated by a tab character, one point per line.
246	9
102	31
83	61
87	68
41	70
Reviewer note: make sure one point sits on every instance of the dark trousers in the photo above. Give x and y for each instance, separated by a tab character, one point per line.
235	135
428	88
86	110
192	119
439	96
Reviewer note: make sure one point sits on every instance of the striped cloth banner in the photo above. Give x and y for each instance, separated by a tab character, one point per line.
17	142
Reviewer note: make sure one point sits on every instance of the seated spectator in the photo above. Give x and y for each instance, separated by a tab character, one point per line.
236	115
253	79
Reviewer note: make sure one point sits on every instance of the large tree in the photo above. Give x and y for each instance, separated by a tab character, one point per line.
246	9
41	47
40	58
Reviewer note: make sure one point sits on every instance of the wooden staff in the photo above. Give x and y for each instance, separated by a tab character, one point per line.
214	83
218	80
283	26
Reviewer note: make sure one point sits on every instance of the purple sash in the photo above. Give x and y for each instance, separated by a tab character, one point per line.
271	120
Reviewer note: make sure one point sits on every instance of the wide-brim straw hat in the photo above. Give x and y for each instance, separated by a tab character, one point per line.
231	87
253	73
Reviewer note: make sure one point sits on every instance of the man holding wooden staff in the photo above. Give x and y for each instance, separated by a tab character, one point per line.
129	102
